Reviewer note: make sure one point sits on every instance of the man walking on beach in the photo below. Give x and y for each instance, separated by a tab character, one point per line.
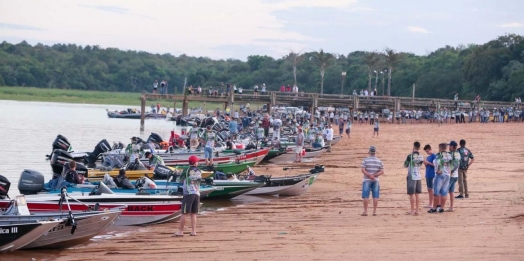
430	173
372	168
465	156
190	180
414	179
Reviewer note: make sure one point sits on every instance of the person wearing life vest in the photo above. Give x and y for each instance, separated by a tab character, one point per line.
193	137
154	160
122	181
190	180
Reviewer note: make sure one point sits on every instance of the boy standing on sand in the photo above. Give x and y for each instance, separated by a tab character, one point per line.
430	172
375	128
414	179
454	165
348	128
190	180
372	168
441	181
465	156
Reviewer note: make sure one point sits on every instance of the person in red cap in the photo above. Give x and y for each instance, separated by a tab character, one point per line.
190	180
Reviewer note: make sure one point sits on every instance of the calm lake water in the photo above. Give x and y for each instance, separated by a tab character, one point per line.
29	128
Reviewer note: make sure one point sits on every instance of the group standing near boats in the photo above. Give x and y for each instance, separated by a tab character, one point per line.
146	182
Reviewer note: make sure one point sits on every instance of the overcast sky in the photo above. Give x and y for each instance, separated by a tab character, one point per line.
238	28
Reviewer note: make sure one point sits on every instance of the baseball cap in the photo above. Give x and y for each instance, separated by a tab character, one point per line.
372	149
193	160
453	143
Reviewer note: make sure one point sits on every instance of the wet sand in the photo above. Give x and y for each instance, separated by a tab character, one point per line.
325	223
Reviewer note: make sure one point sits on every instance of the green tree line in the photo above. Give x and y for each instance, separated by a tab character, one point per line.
494	70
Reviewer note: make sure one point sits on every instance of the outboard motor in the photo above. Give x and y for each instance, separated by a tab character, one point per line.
60	158
31	182
112	161
101	147
4	187
155	138
162	173
60	143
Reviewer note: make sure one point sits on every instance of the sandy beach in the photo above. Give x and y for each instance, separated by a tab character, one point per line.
325	223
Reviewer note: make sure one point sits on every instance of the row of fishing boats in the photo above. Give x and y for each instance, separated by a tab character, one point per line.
58	214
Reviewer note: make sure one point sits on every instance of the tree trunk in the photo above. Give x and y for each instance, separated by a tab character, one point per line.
369	80
389	80
295	74
322	71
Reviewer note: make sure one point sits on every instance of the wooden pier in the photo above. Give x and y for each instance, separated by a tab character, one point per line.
314	100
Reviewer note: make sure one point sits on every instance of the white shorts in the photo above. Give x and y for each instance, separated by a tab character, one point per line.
299	149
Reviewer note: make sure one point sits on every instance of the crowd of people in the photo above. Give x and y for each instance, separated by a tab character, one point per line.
443	170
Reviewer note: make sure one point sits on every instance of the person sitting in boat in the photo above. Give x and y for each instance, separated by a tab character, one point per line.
154	160
122	181
231	177
229	144
250	171
72	176
318	141
276	144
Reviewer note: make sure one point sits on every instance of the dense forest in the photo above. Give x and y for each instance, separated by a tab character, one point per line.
494	70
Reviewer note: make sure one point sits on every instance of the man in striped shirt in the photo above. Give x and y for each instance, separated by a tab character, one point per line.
372	168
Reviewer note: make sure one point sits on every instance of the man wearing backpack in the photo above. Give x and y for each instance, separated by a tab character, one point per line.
465	156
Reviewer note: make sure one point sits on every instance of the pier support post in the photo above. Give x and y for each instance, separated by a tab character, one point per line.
142	112
185	105
355	102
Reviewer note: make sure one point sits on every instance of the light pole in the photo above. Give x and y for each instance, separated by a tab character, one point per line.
343	80
383	73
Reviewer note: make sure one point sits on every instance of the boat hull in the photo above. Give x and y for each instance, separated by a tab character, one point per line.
88	226
231	189
16	235
133	214
286	186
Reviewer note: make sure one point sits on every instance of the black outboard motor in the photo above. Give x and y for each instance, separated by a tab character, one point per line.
60	143
31	182
101	147
162	173
4	187
155	138
60	158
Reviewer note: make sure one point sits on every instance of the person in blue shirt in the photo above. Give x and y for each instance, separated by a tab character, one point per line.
430	172
233	127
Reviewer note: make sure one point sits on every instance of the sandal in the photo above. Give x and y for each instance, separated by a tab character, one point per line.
193	235
450	210
375	214
364	214
177	235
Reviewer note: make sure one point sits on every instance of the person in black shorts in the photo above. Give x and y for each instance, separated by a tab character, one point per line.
190	180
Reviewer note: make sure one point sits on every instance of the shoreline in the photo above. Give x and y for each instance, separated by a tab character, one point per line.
325	223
